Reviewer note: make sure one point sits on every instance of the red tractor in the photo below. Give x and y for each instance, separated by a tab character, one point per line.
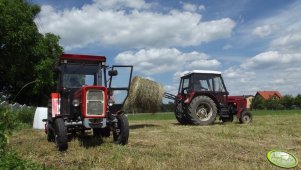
84	100
203	96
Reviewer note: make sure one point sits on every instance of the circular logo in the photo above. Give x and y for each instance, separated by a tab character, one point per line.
282	159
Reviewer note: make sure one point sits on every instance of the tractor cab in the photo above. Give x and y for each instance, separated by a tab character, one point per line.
203	82
84	99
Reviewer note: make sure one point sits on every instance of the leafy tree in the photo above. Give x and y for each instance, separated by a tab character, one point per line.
27	57
298	100
287	101
258	103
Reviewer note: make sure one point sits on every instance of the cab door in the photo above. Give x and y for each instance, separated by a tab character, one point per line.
119	85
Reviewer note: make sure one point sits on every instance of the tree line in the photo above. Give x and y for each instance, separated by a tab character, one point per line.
287	102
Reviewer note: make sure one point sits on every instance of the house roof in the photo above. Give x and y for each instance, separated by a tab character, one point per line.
267	94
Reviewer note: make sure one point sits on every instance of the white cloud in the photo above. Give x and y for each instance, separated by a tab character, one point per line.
262	31
202	8
154	61
189	7
117	4
272	59
101	23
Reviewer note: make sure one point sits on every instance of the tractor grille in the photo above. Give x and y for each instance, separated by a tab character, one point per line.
95	104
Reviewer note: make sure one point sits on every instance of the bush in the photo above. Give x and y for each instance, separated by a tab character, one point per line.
9	122
25	116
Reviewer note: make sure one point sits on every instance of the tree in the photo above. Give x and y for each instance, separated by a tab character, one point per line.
258	103
287	101
298	100
27	57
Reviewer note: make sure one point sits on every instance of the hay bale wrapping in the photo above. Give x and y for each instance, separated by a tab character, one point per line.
144	96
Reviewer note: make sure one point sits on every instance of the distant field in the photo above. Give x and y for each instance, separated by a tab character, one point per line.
159	142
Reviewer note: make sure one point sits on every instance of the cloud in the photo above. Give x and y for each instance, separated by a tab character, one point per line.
262	31
130	24
119	4
272	59
289	43
155	61
189	7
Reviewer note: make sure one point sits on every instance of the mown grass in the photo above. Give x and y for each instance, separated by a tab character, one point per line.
164	144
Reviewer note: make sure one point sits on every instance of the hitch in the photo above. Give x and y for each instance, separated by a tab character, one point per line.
169	96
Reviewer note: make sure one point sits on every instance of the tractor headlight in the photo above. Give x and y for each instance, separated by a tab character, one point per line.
75	103
111	102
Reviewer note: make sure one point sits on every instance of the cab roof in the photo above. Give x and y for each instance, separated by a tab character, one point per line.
203	72
80	58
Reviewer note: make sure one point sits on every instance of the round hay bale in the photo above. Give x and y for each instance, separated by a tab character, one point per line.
144	96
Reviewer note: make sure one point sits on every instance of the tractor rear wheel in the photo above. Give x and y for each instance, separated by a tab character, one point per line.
121	132
246	117
61	138
202	110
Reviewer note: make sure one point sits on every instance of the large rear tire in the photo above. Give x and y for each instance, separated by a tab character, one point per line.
61	138
202	110
121	132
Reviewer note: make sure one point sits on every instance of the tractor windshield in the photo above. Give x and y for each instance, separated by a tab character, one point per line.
76	76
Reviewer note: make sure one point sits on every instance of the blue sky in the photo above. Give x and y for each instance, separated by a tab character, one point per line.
254	43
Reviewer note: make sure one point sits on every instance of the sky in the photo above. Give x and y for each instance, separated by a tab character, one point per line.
255	44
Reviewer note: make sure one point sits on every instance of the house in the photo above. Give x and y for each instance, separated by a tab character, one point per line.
265	95
268	94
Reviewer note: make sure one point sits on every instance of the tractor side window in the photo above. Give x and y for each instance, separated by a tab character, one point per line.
185	83
218	85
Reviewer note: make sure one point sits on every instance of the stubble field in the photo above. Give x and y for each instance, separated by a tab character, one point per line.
159	142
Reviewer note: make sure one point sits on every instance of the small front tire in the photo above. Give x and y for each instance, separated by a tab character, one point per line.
121	132
246	117
61	138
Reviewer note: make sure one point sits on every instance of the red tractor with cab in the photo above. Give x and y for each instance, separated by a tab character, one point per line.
84	100
203	96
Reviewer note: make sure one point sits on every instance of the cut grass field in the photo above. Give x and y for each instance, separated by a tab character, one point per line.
159	142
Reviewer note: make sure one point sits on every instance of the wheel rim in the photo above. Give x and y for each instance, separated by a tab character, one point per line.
204	112
246	118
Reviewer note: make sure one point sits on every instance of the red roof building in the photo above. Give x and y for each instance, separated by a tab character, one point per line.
268	94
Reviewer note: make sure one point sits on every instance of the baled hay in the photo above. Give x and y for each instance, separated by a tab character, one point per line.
145	95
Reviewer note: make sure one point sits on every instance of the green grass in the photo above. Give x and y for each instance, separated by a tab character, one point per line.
159	142
170	116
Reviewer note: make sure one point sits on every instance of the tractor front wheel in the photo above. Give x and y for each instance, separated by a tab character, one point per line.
202	110
179	113
121	131
61	138
50	135
246	117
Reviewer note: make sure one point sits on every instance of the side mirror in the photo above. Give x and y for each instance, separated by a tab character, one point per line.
113	72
